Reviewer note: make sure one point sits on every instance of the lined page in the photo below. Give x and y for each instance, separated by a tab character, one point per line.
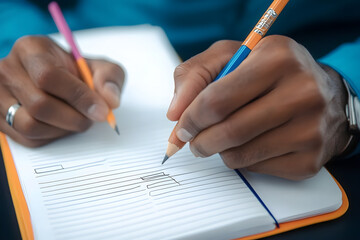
97	185
105	193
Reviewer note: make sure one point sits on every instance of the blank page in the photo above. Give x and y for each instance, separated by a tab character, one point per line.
293	200
97	185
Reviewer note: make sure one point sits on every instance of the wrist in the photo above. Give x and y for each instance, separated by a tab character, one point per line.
346	137
352	110
346	100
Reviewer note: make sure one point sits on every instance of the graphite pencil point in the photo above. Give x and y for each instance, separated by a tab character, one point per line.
165	158
117	130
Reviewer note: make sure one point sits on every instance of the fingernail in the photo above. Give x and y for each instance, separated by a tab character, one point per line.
114	90
97	112
172	104
183	135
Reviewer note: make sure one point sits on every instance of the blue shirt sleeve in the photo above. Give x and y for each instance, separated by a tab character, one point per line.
345	60
26	18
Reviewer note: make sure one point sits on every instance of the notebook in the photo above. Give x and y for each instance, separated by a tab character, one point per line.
98	185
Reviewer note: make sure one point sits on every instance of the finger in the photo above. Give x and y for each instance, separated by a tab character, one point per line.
242	86
33	129
293	166
61	83
297	135
192	76
260	116
6	101
44	107
268	145
108	80
28	47
267	65
17	137
27	127
23	123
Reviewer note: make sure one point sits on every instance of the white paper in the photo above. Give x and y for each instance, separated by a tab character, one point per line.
292	200
97	185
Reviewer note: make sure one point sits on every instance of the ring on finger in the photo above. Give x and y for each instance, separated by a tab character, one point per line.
11	113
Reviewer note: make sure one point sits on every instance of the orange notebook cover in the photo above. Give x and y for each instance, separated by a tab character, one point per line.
24	220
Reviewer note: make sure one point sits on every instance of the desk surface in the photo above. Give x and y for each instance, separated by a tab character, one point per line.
347	172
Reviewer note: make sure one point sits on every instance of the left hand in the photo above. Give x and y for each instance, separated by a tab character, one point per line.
279	112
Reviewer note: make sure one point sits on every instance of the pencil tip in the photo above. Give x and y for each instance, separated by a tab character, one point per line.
165	158
117	130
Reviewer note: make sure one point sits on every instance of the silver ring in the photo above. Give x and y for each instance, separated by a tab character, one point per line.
11	113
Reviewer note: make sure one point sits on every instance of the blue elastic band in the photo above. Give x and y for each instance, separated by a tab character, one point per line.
257	196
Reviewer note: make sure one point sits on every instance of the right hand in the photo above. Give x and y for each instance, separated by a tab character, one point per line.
278	113
55	102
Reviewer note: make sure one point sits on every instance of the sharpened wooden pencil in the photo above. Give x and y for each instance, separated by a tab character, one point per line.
83	67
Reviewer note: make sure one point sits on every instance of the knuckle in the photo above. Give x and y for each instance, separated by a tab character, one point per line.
226	47
197	69
286	59
194	67
31	46
111	70
231	135
313	138
182	69
191	124
23	43
37	105
292	177
225	44
277	41
82	124
30	144
304	168
281	51
33	143
44	77
221	44
260	169
25	40
229	159
239	158
212	104
118	72
5	69
309	169
79	96
236	158
199	149
311	90
316	138
115	69
29	128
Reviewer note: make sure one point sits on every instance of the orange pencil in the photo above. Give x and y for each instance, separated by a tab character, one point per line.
84	69
250	42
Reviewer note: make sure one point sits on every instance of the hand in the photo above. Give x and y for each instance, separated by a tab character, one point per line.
278	113
55	102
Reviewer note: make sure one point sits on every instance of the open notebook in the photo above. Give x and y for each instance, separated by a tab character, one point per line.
97	185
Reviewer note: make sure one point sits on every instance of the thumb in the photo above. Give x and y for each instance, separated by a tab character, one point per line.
192	76
108	80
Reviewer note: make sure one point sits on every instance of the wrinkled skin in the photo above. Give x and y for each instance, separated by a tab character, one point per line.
278	113
55	102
